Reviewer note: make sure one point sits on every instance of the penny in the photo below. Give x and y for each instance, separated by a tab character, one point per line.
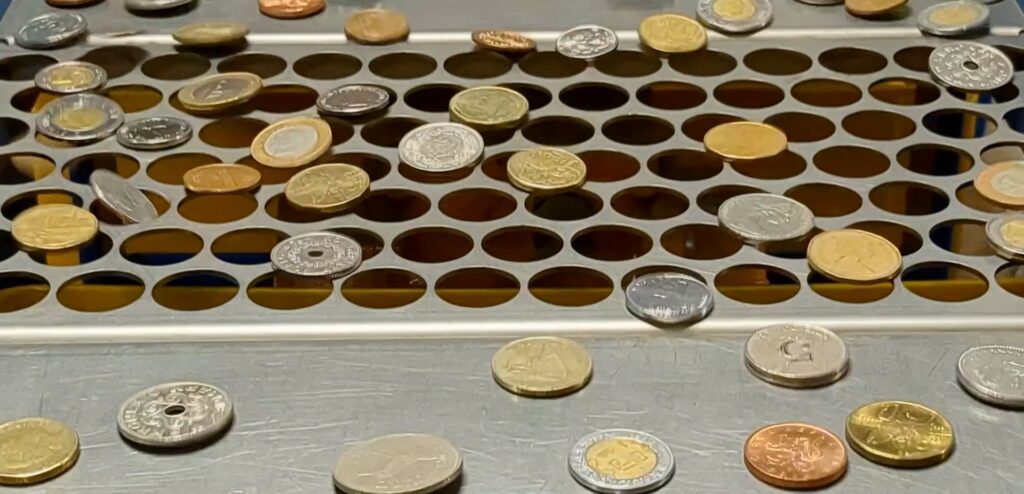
327	188
504	41
377	26
872	8
993	374
542	367
121	197
673	33
33	450
745	141
221	178
759	218
546	170
220	91
50	30
587	42
621	461
317	254
54	227
291	9
854	256
796	355
153	133
795	456
175	415
954	18
292	142
398	464
441	147
1006	235
80	117
669	298
210	33
154	5
900	434
970	66
735	16
71	77
353	100
489	108
1002	183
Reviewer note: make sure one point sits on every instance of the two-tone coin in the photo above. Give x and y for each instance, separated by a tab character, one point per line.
504	41
795	456
50	227
291	9
900	434
175	415
1006	235
621	461
327	188
546	170
210	33
221	178
353	100
80	117
673	33
292	142
154	133
317	254
992	374
121	197
441	147
1002	183
760	218
587	42
970	66
220	91
50	30
854	256
955	18
735	16
398	464
669	298
542	366
489	108
155	5
796	355
377	26
71	77
744	141
34	450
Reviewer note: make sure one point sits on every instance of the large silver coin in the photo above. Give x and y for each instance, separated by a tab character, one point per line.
71	77
711	13
80	117
151	5
121	197
398	464
317	254
1006	235
587	42
441	147
765	217
669	298
993	374
175	415
970	66
354	99
596	462
955	18
154	133
796	355
50	30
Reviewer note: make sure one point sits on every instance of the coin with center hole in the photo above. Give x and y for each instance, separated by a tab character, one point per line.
489	107
377	26
1002	183
121	197
220	91
154	5
955	18
546	170
673	33
441	147
317	254
796	355
735	16
327	188
621	461
761	218
153	133
970	66
292	142
900	434
745	141
210	33
50	30
992	374
873	8
542	366
80	117
33	450
1006	235
54	227
669	298
587	42
854	256
71	77
795	456
175	415
291	9
353	100
504	41
398	464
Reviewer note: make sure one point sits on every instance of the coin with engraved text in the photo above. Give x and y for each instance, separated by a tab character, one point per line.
317	254
669	298
587	42
993	374
71	77
118	194
441	147
900	434
765	217
1006	235
795	456
970	66
153	133
353	99
80	117
50	30
735	16
621	461
175	415
50	227
36	449
220	91
542	366
398	464
796	355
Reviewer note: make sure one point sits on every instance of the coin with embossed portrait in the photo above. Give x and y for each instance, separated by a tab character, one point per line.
796	355
50	30
542	366
80	117
759	218
292	142
220	91
546	170
854	256
71	77
795	456
317	254
1002	183
993	374
441	147
121	197
669	298
398	464
489	107
587	42
154	133
175	415
327	188
621	461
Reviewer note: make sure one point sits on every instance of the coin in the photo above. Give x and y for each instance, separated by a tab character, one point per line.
221	178
735	16
546	170
621	461
795	456
80	117
377	26
220	91
1006	235
50	30
154	133
542	367
33	450
154	5
291	9
398	464
872	8
759	218
71	3
489	107
954	18
317	254
292	142
71	77
327	188
175	415
54	227
745	141
899	434
121	197
587	42
673	33
970	66
854	256
504	41
210	33
1003	183
821	2
796	355
441	147
354	99
669	298
992	374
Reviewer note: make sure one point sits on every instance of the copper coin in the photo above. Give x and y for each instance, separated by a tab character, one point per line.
291	9
795	456
507	41
377	26
871	8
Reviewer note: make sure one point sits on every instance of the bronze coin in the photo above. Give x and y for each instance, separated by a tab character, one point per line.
291	9
872	8
377	26
507	41
795	456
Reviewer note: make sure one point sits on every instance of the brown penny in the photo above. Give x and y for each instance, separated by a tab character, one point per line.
507	41
795	456
870	8
291	9
377	26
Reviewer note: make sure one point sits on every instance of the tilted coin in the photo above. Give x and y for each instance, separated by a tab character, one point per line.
175	415
327	188
854	256
992	374
291	9
821	2
398	464
504	41
954	18
377	26
220	91
154	5
669	298
441	147
587	42
71	77
118	194
872	8
71	3
50	30
1002	183
795	456
292	142
900	434
210	33
489	107
745	141
621	461
796	355
152	133
1006	235
221	178
970	66
673	33
546	170
759	218
80	117
54	227
353	99
735	16
33	450
542	366
317	254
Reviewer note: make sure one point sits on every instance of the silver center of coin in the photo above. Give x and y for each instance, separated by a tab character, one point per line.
175	415
760	15
765	217
118	194
993	374
71	77
319	254
639	446
155	4
80	117
50	30
154	133
669	298
933	20
796	355
400	463
971	66
441	147
293	141
586	42
356	99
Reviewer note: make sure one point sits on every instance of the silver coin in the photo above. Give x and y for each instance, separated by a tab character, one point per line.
765	217
398	464
317	254
650	467
354	99
970	66
153	133
935	19
796	355
121	197
993	374
151	5
71	77
587	42
50	30
441	147
175	415
1006	235
759	19
80	117
669	298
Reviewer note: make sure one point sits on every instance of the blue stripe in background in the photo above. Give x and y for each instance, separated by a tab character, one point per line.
3	7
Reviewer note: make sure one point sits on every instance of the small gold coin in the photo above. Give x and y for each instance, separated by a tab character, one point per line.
734	10
292	142
745	141
622	458
900	434
1003	183
673	33
377	26
221	178
33	450
489	108
504	41
871	8
542	366
854	256
327	188
211	33
546	170
220	91
54	227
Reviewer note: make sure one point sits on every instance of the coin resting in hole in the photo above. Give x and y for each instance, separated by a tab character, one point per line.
81	117
1006	235
760	218
54	227
221	178
220	91
353	100
854	256
441	147
71	77
318	255
121	197
744	141
154	133
292	143
1003	183
546	170
669	298
327	188
489	108
970	66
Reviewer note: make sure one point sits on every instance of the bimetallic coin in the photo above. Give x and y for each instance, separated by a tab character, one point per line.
291	9
796	355
118	194
621	461
795	456
50	30
153	5
175	415
970	66
354	99
489	108
546	170
587	42
327	188
745	141
542	366
441	147
900	434
221	178
211	33
673	33
735	16
854	256
317	254
1002	183
669	298
220	91
54	227
1006	235
954	18
504	41
292	142
153	133
993	374
398	464
71	77
80	117
873	8
33	450
759	218
377	26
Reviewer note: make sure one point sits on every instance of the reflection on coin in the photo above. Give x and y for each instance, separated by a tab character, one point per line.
542	366
175	415
795	456
377	26
292	142
993	374
900	434
1003	183
735	16
871	8
546	170
587	42
154	133
291	9
398	464
745	141
71	3
673	33
80	117
970	66
669	298
1006	235
504	41
220	91
54	227
621	461
50	30
759	218
954	18
33	450
317	254
821	2
441	147
489	107
118	194
211	33
71	77
221	178
153	5
854	256
796	355
353	99
327	188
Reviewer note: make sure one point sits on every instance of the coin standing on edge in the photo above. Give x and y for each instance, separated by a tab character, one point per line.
54	227
175	415
991	374
353	99
317	254
970	66
854	256
220	91
796	355
504	41
759	218
1006	235
50	30
669	298
377	26
210	33
154	133
292	142
327	188
291	9
441	147
221	178
745	141
489	108
398	464
587	42
900	434
873	8
71	77
1002	183
542	367
621	461
80	117
735	16
155	5
673	33
955	18
35	450
546	170
121	197
795	456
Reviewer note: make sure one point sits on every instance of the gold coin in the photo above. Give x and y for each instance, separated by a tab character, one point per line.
54	227
745	141
546	170
673	33
80	119
900	434
954	14
211	33
377	26
854	256
33	450
220	91
542	366
489	107
327	188
870	8
1013	233
292	142
1003	183
221	178
622	458
734	10
506	41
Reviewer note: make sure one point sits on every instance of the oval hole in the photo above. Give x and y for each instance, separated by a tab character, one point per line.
879	125
248	246
852	61
161	247
558	131
622	63
261	64
685	165
711	199
496	166
280	291
551	65
935	159
478	65
171	169
851	161
749	94
904	91
944	282
133	98
636	273
20	290
377	167
638	130
383	288
959	124
522	244
850	293
477	287
757	284
566	206
966	237
327	66
701	242
570	286
914	58
23	67
217	208
23	168
176	67
908	198
95	249
704	63
11	130
783	165
279	208
609	166
1011	278
232	132
117	61
195	290
402	65
612	243
696	127
827	93
477	204
671	95
432	245
593	96
285	98
826	200
393	205
432	97
79	169
775	61
1003	94
905	239
22	202
536	96
970	197
388	132
370	242
803	127
100	292
650	203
